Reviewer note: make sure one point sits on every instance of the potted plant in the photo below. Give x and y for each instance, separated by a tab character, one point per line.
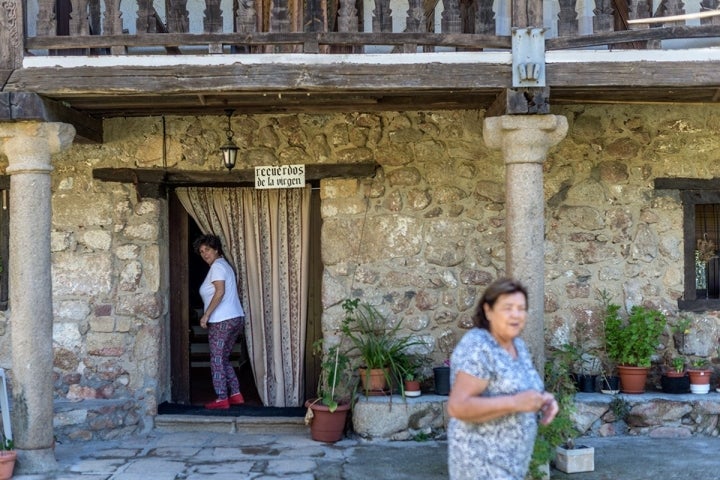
380	346
8	455
631	343
582	365
700	373
411	385
561	431
327	414
674	378
411	366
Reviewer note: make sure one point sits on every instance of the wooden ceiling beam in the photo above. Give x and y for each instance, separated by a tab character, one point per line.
153	182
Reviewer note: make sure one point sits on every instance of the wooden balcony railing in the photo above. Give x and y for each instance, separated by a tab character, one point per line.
314	26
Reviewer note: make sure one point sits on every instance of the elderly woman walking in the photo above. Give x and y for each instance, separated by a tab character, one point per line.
496	395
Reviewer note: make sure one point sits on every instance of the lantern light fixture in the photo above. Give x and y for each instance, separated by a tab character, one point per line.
229	150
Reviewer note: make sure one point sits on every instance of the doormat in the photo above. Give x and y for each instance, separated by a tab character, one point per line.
167	408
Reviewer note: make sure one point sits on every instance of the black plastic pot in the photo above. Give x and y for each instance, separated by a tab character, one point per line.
611	383
675	384
585	383
442	380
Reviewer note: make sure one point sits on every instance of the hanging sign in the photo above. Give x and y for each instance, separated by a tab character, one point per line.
280	176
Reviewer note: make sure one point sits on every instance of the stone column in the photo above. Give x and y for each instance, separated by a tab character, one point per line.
524	141
28	147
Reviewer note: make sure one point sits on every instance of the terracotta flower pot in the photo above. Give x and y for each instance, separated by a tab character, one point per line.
700	377
632	379
373	381
7	464
327	426
412	388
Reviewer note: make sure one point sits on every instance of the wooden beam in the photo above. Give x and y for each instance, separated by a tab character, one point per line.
264	77
163	40
153	182
681	183
675	18
625	36
21	106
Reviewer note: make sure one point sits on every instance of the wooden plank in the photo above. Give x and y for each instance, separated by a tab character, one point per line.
184	79
174	177
613	38
166	40
634	74
680	183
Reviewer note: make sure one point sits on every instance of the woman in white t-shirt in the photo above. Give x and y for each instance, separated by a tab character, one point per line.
224	318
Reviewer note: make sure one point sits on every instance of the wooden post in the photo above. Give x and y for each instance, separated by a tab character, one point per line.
11	37
527	13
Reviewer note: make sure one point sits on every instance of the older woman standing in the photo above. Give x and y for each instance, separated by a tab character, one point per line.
497	395
224	319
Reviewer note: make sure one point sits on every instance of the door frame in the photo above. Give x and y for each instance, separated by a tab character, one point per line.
179	301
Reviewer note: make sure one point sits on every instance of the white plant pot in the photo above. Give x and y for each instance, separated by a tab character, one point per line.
579	459
699	389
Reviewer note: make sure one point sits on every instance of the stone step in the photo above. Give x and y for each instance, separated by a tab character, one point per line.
232	424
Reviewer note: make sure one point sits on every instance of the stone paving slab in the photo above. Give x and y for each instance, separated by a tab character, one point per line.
203	456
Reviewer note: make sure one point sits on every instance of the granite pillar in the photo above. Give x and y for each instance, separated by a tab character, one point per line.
28	147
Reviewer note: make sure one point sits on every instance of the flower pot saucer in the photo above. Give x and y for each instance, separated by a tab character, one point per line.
609	392
412	393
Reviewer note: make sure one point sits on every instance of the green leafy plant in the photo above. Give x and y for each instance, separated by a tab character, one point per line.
6	443
634	340
336	384
699	364
562	429
620	407
378	343
678	364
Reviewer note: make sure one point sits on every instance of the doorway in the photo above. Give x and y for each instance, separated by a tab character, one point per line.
189	353
201	389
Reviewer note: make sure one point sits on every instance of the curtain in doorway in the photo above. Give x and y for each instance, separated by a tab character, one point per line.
265	235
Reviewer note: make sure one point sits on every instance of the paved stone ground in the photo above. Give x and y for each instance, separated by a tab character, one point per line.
216	456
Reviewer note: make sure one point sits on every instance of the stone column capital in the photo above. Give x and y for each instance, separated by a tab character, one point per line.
524	138
29	145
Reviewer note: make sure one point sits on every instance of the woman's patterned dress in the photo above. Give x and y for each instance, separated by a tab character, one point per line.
499	449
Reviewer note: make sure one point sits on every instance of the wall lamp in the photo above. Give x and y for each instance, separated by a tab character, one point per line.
229	150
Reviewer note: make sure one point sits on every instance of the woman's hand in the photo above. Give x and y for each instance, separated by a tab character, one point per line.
530	401
204	320
549	409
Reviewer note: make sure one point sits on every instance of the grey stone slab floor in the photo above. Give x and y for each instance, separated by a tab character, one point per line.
217	456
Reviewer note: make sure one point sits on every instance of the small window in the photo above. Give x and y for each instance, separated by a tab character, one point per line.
701	236
707	239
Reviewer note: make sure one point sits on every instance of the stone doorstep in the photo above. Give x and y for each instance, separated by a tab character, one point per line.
239	424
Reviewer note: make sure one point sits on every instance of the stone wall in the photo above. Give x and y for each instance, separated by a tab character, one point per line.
421	239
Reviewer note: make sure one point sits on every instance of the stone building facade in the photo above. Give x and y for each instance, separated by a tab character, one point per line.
421	239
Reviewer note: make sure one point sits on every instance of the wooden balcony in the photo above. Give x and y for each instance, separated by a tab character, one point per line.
143	58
